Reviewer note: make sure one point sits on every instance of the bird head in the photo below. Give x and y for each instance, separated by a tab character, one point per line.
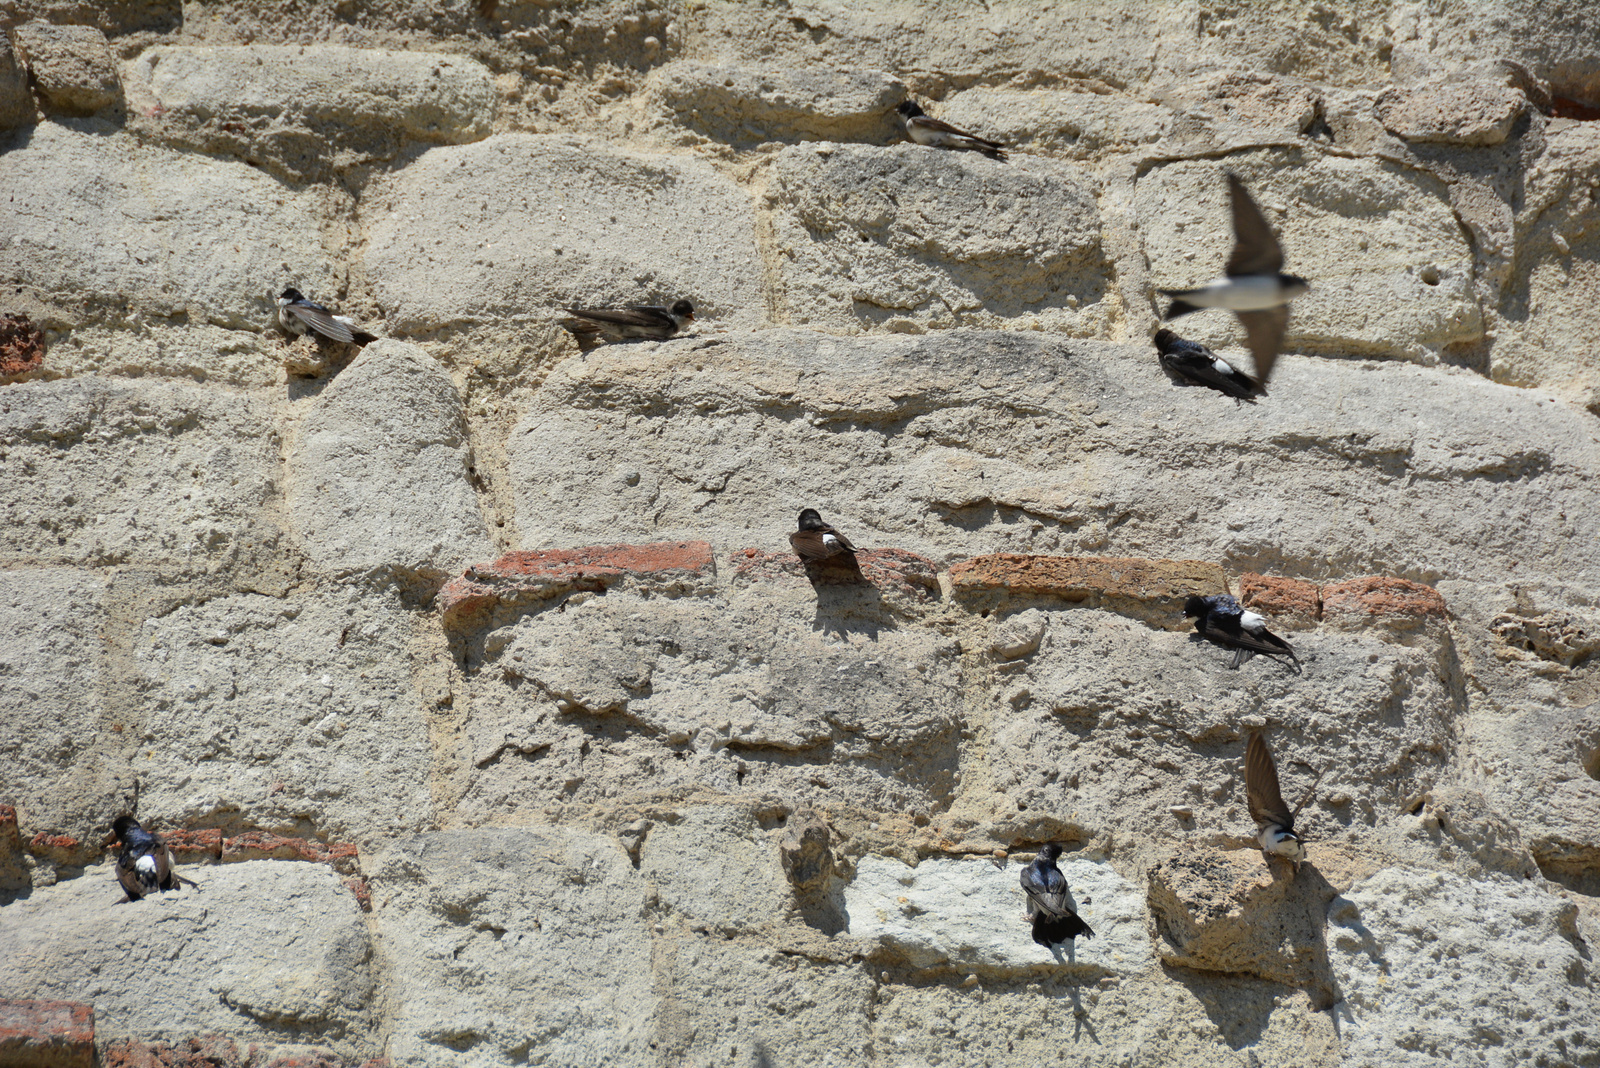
683	308
1194	606
1049	851
909	109
1163	338
122	825
811	519
291	294
1293	286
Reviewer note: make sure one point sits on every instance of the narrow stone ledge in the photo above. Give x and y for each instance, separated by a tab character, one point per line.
1286	600
62	850
264	845
887	569
201	846
1153	590
219	1051
524	577
50	1034
1391	602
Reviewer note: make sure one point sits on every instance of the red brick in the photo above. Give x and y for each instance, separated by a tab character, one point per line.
1153	590
1386	600
1285	599
360	891
883	568
194	847
46	1033
522	577
21	347
264	845
62	849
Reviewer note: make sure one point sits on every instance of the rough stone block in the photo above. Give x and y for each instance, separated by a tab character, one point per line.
525	578
1054	123
904	575
867	240
342	857
1153	588
16	100
380	471
150	231
539	223
46	1034
71	66
1476	113
734	104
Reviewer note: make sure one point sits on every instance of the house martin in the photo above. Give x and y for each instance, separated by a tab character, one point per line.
926	130
300	316
1052	917
816	540
638	321
1267	808
144	864
1195	363
1222	620
1253	286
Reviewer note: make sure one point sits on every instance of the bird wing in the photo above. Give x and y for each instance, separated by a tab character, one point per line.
1255	247
1053	930
938	126
1261	786
1201	368
322	321
1227	631
807	544
164	873
1264	330
842	540
127	877
1046	890
644	315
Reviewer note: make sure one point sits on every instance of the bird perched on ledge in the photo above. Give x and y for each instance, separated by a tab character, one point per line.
1195	363
1222	620
1267	808
637	321
816	540
1053	919
1253	286
300	316
926	130
144	864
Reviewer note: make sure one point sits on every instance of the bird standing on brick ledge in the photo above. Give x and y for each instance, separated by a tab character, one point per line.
144	864
816	540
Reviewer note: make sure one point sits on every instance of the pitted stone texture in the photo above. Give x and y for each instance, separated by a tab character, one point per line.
1398	604
1457	112
65	749
110	471
1073	735
153	231
909	237
1391	273
966	442
519	226
519	945
809	695
1053	123
1284	600
53	1034
1557	40
715	867
297	715
271	953
1153	590
302	108
1431	964
379	473
112	17
16	99
966	914
71	66
739	104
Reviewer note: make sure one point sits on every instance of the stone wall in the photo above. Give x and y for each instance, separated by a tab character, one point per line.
470	674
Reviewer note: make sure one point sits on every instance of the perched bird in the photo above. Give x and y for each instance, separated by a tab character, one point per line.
300	316
1253	286
816	540
638	321
1222	620
926	130
1266	803
1047	909
144	864
1195	363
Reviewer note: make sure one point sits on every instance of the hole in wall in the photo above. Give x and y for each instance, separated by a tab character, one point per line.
1591	764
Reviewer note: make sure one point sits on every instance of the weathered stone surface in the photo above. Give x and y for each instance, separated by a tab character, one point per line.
525	578
1391	602
1076	125
271	953
869	238
966	914
302	108
16	100
380	471
1155	589
13	869
298	716
110	471
113	17
71	66
1558	41
1396	282
137	230
738	104
48	1034
539	223
1457	112
1429	963
21	347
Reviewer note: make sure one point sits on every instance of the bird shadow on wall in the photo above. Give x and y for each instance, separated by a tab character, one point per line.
847	602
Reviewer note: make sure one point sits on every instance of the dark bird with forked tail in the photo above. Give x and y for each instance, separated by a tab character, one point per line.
647	321
1222	620
144	863
924	129
1194	363
300	316
1052	917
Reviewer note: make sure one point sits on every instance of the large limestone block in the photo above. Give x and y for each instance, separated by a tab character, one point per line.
305	107
966	442
624	694
1557	40
62	756
1391	273
966	913
133	472
295	715
733	104
1431	964
104	221
266	952
517	226
911	237
379	473
1072	736
1055	123
70	66
515	946
716	867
